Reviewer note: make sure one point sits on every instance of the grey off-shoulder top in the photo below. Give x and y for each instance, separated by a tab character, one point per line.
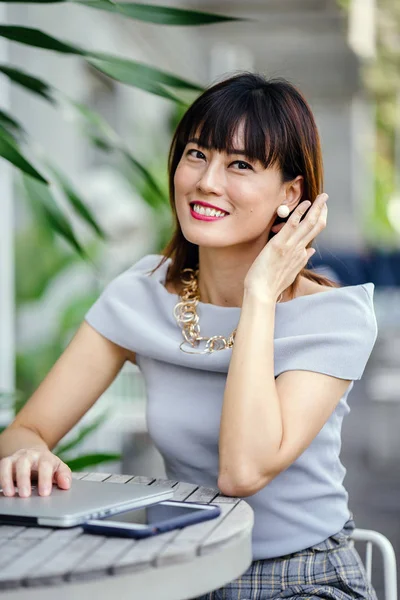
331	332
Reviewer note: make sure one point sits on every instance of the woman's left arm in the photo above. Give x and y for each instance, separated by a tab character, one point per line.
266	423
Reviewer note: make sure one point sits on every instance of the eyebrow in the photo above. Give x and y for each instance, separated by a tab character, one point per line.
228	151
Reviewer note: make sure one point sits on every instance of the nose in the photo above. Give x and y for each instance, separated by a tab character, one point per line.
211	180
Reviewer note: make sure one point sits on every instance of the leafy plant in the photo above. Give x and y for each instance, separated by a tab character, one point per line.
39	258
381	77
16	147
79	463
15	399
40	261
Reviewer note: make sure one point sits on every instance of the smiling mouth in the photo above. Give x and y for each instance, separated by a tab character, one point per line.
206	211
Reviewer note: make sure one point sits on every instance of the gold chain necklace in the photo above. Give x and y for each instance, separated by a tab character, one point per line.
187	318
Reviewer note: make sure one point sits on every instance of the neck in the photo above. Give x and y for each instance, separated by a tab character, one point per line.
222	274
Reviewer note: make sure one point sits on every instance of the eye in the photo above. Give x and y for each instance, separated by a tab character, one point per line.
194	150
242	162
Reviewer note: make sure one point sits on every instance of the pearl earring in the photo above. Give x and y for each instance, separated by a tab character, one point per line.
283	211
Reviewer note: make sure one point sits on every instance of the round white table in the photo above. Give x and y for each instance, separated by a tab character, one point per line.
69	564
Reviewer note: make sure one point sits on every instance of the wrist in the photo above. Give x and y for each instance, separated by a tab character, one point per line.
256	294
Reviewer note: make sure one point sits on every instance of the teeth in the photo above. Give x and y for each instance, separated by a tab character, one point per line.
208	212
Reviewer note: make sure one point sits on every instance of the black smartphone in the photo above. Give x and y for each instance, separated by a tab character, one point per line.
153	519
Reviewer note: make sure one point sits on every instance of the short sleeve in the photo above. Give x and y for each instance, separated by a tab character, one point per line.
118	313
331	332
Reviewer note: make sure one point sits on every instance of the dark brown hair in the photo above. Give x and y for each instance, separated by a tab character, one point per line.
279	129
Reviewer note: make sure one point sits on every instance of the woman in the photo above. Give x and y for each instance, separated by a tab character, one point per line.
248	357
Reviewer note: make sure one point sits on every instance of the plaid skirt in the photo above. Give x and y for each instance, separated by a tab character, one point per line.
331	570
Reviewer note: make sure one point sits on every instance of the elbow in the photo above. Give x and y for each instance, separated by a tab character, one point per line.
242	487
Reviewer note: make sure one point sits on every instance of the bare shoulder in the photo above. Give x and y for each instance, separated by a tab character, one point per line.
308	287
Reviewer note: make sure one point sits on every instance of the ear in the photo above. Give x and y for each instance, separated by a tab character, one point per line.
294	192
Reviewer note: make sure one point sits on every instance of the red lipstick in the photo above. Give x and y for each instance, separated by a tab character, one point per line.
196	215
208	205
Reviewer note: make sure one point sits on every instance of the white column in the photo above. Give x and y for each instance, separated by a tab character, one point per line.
7	301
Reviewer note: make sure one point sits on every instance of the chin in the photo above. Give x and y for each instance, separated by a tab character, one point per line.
206	239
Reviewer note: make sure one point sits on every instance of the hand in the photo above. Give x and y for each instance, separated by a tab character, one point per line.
286	254
20	466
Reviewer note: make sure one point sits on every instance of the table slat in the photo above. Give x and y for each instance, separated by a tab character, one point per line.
183	490
102	559
188	540
35	533
79	474
57	569
142	479
164	482
35	555
220	499
12	550
96	476
116	478
10	531
143	554
203	495
231	526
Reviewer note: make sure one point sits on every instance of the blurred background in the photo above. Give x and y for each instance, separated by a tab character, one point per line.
84	138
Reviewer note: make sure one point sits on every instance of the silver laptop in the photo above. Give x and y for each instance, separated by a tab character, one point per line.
83	501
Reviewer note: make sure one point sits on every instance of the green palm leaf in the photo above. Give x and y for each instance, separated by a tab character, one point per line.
75	201
38	39
126	71
162	15
33	84
10	151
100	132
33	1
129	69
89	460
82	434
93	120
41	196
146	175
12	127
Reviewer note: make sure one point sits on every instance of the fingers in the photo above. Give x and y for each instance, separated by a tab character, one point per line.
52	469
294	218
318	222
46	469
6	476
19	468
312	224
23	467
16	470
63	476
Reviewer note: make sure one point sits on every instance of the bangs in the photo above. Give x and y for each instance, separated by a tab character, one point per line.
214	122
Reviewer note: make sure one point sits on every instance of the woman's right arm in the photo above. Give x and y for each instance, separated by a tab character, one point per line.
86	368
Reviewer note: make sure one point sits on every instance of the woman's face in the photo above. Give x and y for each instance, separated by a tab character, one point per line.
248	194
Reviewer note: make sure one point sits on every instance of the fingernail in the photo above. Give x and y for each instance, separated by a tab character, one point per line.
24	491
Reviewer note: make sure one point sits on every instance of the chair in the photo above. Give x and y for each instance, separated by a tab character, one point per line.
388	555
